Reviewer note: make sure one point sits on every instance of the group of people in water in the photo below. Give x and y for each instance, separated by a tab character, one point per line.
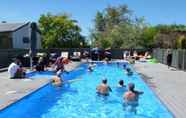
130	96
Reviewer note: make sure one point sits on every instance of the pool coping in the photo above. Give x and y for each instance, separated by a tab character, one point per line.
3	108
145	80
25	96
161	101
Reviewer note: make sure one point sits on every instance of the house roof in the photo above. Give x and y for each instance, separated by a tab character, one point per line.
11	27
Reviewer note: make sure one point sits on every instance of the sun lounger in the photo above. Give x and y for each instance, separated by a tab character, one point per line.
41	54
76	56
64	54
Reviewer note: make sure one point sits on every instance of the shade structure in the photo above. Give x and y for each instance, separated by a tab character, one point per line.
96	50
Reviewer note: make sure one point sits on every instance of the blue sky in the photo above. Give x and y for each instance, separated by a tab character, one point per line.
154	11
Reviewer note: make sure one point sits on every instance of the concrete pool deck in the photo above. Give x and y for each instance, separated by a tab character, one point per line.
168	84
11	90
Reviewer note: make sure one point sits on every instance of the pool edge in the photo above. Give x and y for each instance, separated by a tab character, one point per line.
154	92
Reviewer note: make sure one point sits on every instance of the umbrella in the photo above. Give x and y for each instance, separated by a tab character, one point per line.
108	53
96	50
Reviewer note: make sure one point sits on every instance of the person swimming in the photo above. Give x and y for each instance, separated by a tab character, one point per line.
121	87
117	63
121	84
131	97
103	88
132	94
129	72
91	67
124	66
57	81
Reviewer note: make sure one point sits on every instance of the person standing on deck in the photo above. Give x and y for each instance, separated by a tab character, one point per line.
59	64
169	58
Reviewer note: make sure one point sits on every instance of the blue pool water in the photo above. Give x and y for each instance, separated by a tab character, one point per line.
79	99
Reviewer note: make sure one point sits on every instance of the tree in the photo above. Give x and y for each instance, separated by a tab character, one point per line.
100	22
148	37
170	36
59	31
115	28
181	42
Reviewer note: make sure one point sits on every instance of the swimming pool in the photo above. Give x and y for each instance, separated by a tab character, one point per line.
79	99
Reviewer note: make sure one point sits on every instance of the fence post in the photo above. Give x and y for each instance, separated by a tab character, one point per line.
183	62
163	56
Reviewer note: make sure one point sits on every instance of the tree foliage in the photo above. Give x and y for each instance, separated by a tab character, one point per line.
115	27
170	36
118	27
148	37
59	31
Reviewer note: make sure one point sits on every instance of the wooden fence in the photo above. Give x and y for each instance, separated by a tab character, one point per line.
178	57
6	55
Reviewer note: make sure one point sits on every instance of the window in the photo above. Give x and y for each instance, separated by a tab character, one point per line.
25	40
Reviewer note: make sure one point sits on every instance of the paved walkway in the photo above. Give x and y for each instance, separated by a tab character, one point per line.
169	85
12	90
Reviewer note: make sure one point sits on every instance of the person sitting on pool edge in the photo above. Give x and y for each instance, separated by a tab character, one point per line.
103	88
107	61
15	70
40	65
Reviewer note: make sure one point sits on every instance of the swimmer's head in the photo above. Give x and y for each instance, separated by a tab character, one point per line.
131	86
121	82
104	81
128	69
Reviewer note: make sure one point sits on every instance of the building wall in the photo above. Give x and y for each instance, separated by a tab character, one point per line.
21	36
169	39
5	40
39	41
18	36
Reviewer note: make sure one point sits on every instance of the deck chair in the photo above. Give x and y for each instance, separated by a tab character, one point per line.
76	56
39	54
64	54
